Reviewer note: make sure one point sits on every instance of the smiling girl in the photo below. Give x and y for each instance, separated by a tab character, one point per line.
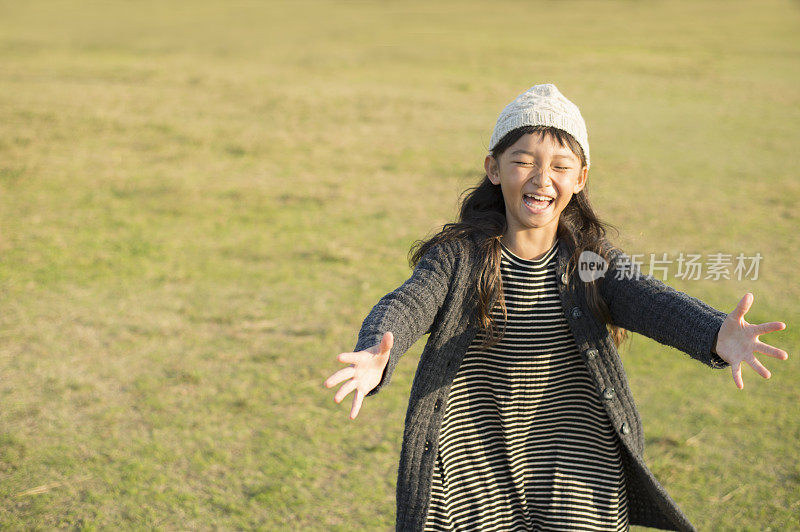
520	415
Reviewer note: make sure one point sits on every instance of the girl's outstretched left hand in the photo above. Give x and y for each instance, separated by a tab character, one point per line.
738	341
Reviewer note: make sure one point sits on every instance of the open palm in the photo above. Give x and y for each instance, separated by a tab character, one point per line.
738	341
365	372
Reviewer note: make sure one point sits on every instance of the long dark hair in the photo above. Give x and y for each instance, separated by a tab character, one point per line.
483	217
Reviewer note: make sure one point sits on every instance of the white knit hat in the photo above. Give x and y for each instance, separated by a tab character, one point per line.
542	105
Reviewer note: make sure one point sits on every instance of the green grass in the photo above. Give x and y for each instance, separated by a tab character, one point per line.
200	202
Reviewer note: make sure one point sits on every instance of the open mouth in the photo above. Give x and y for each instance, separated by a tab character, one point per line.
537	202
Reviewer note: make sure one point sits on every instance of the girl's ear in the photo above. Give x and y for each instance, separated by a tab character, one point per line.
580	184
491	167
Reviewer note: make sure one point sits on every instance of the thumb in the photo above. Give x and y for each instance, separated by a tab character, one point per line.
744	305
386	342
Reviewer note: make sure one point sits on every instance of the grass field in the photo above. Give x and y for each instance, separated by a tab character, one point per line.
200	202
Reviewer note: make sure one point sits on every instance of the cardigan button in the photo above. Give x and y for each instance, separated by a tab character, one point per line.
427	444
608	393
625	428
437	405
576	312
591	354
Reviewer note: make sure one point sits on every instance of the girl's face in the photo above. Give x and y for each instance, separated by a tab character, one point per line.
538	177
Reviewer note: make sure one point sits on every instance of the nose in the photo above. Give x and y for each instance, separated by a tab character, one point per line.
541	177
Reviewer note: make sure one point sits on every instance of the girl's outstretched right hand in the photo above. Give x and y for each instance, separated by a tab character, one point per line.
365	372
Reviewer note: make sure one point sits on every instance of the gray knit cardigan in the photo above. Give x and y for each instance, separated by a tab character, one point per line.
440	298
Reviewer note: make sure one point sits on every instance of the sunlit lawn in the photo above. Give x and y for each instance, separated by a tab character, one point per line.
200	202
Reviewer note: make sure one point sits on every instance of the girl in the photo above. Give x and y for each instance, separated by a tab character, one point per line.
520	415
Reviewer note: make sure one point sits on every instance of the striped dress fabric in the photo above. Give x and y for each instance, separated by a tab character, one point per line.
525	442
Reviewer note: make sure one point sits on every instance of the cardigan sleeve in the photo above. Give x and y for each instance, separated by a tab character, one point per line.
410	310
647	306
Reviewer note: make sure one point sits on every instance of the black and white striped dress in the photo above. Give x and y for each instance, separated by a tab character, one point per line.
525	443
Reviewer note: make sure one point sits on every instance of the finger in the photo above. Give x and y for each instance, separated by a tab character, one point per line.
743	306
764	328
339	376
346	388
387	342
737	375
769	350
356	403
760	369
350	358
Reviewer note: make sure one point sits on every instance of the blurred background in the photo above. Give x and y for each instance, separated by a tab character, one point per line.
201	201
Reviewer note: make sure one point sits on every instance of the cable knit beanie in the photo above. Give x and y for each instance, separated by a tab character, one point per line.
542	105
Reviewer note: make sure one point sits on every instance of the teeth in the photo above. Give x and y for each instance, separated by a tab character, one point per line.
538	197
